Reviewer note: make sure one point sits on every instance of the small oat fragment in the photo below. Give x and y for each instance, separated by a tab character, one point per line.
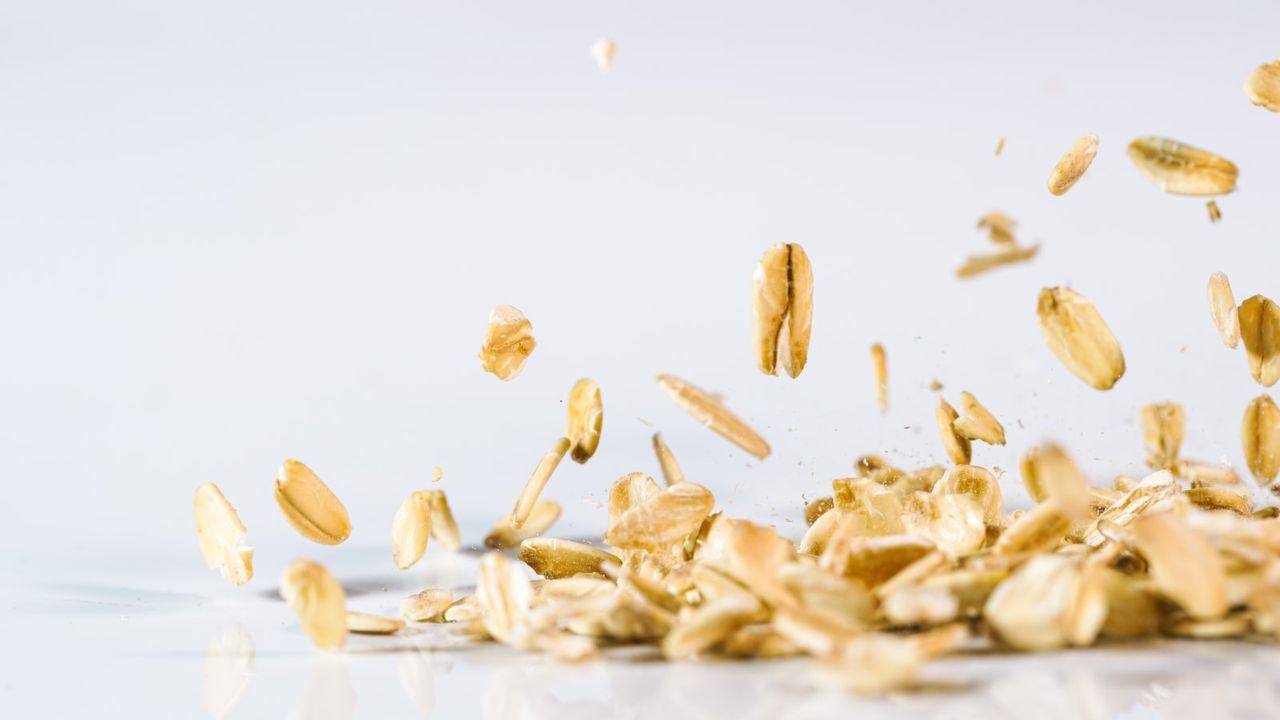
782	308
602	51
537	481
1079	337
999	227
1184	565
586	414
367	624
1260	330
411	529
671	472
1162	428
976	422
979	264
880	377
317	599
426	606
437	472
956	445
1000	146
710	412
1073	164
508	342
221	536
541	518
663	519
1222	308
1263	86
1181	169
310	506
936	385
443	527
554	558
1260	436
1215	213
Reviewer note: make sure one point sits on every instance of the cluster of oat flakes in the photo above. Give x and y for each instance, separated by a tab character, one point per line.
897	566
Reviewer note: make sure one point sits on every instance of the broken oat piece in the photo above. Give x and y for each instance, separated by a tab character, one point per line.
880	377
1182	169
1222	308
222	536
999	226
1263	86
310	506
976	422
978	264
586	416
508	342
782	308
1073	165
1215	213
318	601
714	415
1079	337
956	445
602	51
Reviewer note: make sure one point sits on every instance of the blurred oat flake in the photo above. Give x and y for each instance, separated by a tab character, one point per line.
602	52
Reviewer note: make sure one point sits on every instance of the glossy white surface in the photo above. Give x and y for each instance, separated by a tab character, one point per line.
135	642
234	232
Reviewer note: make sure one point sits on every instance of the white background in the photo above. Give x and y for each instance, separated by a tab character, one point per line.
235	232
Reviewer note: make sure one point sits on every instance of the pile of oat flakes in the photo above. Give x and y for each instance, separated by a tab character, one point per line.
897	566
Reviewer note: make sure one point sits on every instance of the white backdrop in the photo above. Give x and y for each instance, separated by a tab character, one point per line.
235	232
232	233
